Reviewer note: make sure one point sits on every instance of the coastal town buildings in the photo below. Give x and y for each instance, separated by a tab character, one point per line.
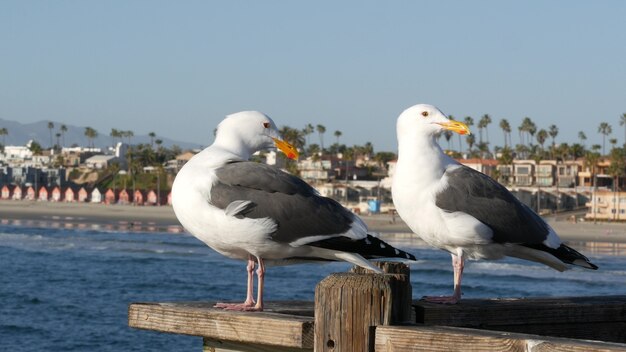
79	174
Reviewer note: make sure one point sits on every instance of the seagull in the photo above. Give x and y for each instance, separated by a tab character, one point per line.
257	213
463	211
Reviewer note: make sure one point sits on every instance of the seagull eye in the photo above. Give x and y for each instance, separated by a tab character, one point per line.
425	113
266	124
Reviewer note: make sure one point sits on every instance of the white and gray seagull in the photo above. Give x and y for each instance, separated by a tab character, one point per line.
258	213
463	211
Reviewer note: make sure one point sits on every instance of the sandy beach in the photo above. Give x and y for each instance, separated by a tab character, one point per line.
147	218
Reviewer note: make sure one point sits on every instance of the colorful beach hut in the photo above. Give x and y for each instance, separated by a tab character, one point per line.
69	194
43	194
96	196
83	195
109	197
17	193
151	198
55	195
138	198
6	191
123	197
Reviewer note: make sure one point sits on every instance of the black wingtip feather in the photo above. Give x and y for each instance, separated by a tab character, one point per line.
370	247
566	255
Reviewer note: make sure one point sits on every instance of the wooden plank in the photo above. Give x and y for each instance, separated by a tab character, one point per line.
200	319
523	311
597	318
211	345
433	338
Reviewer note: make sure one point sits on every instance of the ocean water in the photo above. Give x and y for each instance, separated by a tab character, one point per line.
69	290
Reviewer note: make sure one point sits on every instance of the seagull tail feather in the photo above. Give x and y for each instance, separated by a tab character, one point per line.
565	254
370	247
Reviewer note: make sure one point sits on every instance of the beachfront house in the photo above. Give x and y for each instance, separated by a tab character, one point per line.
151	198
607	205
96	196
109	197
17	193
138	197
83	195
43	194
30	193
55	194
69	194
123	197
6	191
524	172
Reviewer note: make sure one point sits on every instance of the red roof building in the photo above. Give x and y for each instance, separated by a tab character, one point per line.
109	197
30	193
6	191
123	197
43	194
17	193
56	194
83	195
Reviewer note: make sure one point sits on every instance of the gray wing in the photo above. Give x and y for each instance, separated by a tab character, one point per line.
295	206
480	196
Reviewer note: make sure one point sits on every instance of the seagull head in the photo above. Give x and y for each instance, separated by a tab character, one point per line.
427	119
251	131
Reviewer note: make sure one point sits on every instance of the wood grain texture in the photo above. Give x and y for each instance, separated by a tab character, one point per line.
597	317
433	339
211	345
348	306
200	319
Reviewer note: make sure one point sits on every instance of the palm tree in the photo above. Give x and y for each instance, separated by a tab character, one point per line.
616	170
622	122
294	136
337	135
542	135
591	161
152	135
470	139
58	135
582	137
114	134
604	129
553	131
4	132
50	127
91	134
306	131
484	123
321	129
506	130
527	128
63	129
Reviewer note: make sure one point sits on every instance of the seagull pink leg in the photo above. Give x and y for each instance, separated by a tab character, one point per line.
458	263
260	271
249	299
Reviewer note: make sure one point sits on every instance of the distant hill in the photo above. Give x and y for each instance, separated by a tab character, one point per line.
21	133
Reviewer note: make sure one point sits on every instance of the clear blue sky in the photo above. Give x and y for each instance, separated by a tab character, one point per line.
178	67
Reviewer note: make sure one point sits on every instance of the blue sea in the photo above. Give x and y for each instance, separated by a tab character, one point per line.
69	290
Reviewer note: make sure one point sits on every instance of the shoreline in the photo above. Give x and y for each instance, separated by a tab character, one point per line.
162	218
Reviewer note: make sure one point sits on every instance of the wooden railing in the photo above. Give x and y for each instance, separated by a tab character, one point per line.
360	311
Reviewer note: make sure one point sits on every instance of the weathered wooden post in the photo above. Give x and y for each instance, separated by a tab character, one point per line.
348	307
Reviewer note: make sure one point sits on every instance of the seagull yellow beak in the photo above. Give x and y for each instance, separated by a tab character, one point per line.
455	126
290	151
